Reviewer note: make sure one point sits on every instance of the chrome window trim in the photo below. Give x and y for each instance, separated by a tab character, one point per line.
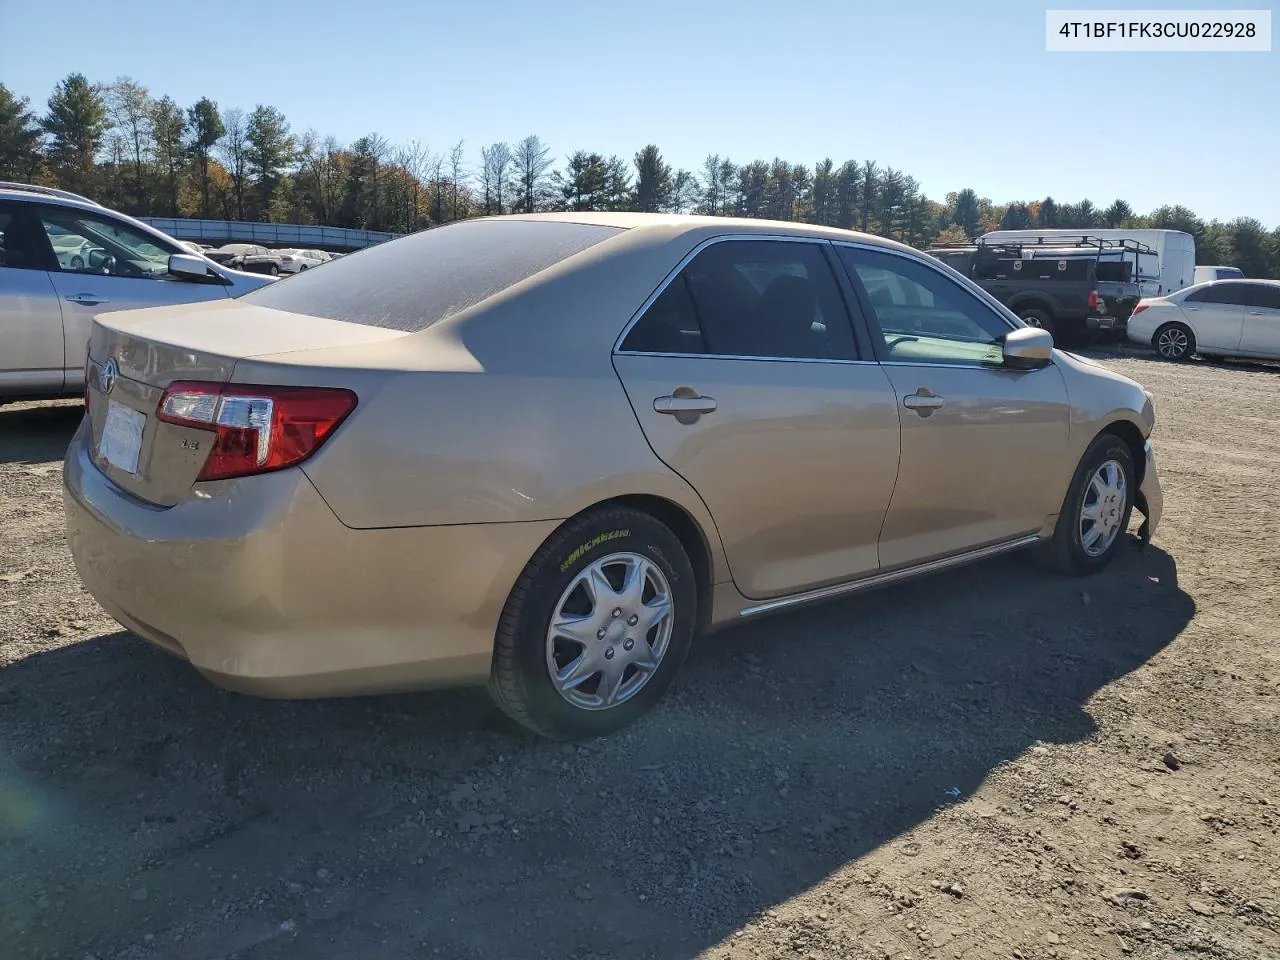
730	356
684	262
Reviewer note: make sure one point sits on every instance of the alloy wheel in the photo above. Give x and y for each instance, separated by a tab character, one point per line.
1172	344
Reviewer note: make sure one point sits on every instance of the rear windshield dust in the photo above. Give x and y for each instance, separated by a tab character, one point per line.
411	283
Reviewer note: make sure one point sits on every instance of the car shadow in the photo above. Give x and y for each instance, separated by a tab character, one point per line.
37	433
142	799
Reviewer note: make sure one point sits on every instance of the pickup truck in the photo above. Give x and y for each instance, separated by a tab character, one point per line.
1062	293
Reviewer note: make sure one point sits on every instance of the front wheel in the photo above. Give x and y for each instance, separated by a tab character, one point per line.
596	627
1174	341
1095	513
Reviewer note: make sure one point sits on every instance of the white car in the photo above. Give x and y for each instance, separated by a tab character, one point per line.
64	260
1226	318
295	261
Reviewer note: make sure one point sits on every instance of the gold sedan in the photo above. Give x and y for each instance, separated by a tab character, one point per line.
547	451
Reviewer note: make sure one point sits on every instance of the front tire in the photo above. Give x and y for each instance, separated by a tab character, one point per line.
596	627
1174	341
1096	511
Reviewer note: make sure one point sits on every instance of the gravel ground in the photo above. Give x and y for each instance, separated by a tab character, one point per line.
996	762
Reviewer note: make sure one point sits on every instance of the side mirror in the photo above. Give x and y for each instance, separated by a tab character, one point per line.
187	267
101	261
1027	348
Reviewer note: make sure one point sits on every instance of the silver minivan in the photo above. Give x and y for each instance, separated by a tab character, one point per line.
65	259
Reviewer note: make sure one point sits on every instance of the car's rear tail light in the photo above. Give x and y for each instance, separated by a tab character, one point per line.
1139	308
88	370
257	428
1094	300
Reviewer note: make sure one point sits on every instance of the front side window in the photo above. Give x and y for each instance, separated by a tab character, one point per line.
923	315
767	299
87	243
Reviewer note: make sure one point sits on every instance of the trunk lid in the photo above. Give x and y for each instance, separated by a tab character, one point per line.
134	355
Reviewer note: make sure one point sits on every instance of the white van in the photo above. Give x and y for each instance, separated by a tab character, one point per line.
1204	274
1174	249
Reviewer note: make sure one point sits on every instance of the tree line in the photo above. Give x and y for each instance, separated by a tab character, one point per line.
144	155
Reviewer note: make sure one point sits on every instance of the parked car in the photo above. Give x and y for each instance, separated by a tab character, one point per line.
295	261
63	259
1226	318
263	260
1060	289
73	251
1203	274
642	427
235	254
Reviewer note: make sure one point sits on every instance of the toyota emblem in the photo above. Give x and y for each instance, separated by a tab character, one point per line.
107	378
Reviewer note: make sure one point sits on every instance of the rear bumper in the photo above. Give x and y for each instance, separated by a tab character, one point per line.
1150	498
1105	323
263	590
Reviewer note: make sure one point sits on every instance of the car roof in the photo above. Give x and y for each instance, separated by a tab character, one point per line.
675	223
32	193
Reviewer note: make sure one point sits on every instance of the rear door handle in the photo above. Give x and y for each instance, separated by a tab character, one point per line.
1257	313
676	405
87	299
923	403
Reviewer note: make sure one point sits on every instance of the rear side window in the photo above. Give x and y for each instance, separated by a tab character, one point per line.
1266	295
411	283
1236	294
766	299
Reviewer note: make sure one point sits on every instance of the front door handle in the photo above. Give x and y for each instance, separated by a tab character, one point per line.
922	402
678	405
87	299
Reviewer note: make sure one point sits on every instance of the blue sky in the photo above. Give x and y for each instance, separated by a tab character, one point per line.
898	82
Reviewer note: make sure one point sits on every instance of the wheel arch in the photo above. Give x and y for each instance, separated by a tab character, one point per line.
1031	302
1132	436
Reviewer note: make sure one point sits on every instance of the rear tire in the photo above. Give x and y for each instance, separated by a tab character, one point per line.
1035	317
1081	545
1174	341
562	584
273	270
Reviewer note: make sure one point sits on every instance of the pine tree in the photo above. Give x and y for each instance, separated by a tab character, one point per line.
653	181
270	148
19	138
206	129
76	123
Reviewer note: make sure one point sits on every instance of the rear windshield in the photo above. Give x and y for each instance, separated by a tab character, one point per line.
411	283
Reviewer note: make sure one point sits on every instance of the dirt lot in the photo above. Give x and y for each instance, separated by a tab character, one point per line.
1000	763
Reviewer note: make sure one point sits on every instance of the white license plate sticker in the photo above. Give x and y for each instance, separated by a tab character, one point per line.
122	437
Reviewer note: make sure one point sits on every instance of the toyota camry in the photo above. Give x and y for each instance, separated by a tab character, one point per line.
547	451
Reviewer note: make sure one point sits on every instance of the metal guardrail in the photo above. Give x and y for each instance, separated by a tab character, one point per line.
269	234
